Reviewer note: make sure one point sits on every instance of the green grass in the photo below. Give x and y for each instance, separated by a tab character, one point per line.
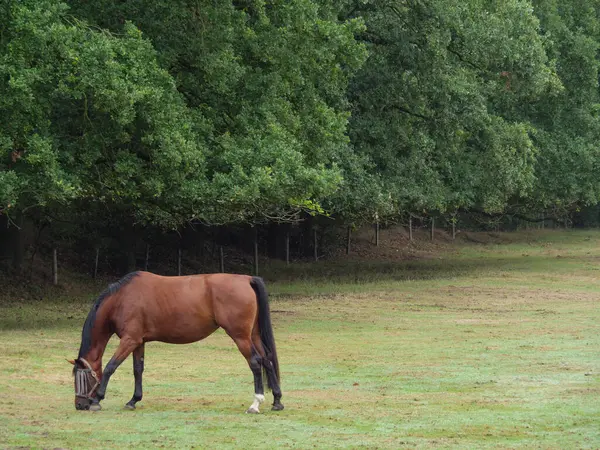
476	346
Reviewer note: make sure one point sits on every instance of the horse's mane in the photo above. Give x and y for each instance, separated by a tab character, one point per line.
86	333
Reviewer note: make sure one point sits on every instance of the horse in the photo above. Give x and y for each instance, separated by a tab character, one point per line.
144	307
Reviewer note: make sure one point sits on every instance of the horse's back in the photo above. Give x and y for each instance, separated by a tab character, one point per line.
185	309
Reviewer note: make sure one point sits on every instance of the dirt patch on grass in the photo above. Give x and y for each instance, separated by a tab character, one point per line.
478	322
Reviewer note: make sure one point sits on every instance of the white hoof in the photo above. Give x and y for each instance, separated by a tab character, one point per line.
258	399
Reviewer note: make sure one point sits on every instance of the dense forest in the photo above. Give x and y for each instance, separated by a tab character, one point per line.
123	122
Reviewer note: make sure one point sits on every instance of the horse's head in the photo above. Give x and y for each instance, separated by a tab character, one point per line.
86	383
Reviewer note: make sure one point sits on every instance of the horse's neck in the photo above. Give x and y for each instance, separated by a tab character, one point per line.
94	355
99	333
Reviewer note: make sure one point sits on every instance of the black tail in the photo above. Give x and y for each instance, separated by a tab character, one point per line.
264	323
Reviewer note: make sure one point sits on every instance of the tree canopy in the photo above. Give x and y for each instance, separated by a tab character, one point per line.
160	113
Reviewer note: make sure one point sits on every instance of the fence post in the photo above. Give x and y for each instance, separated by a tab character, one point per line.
410	236
179	261
287	248
348	241
256	253
96	262
432	227
54	266
147	257
222	259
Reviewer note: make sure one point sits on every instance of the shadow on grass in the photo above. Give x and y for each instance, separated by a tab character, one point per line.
365	273
316	280
524	252
68	305
49	314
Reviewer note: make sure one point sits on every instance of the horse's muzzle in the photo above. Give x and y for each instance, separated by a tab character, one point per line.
82	404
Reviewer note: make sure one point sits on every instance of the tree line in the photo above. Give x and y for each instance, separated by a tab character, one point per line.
158	114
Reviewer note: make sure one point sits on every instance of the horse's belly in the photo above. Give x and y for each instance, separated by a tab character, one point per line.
185	338
183	330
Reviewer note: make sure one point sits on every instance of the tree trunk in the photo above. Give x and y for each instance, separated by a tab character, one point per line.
222	259
316	254
432	228
410	236
36	245
128	239
17	241
276	236
306	234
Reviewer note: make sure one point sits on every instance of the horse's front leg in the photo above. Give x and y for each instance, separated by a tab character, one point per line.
138	370
126	346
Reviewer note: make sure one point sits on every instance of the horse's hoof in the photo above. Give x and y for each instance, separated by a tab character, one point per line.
95	407
252	411
129	406
277	407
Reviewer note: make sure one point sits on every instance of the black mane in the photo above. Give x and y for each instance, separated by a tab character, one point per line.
86	333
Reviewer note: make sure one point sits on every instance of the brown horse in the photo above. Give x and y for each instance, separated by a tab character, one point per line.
144	307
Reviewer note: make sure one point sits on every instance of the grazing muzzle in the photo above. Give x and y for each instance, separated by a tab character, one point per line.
86	382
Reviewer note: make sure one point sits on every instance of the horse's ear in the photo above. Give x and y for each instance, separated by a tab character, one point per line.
72	361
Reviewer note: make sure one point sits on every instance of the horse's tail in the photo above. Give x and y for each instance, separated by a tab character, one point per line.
264	324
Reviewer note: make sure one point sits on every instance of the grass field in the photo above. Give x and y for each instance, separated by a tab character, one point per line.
476	346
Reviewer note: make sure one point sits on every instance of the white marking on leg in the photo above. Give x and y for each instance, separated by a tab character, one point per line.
258	399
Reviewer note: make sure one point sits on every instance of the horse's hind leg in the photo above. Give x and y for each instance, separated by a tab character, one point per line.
272	379
254	361
273	384
126	346
138	370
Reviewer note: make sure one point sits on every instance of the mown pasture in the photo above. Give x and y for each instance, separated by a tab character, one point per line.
477	346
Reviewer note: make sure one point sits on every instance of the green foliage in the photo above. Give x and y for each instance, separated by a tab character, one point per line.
159	113
271	78
90	116
433	106
8	194
567	120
